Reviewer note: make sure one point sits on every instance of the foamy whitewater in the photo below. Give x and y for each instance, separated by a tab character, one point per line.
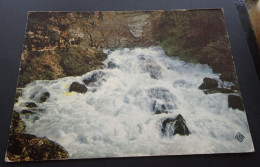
115	118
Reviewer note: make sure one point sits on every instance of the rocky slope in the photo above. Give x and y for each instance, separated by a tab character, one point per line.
26	147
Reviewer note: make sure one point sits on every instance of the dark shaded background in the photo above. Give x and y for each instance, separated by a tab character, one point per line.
12	27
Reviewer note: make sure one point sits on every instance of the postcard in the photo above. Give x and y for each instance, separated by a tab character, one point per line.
126	84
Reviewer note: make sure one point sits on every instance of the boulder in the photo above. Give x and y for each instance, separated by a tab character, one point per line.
228	76
173	126
26	147
44	97
30	105
208	83
235	102
77	87
17	125
218	90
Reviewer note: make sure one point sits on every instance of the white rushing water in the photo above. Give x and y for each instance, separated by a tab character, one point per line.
116	117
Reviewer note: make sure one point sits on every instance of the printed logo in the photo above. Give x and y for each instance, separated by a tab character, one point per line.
240	137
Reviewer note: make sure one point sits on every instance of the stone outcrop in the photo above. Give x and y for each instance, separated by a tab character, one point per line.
208	83
173	126
235	102
27	147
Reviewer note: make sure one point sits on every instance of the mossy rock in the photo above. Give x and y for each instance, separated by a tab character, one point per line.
235	102
77	87
44	97
17	125
208	83
173	126
30	105
26	147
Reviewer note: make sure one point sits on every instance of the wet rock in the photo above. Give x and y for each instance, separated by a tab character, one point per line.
218	90
17	125
153	76
208	83
44	97
26	147
161	112
30	105
173	126
96	79
154	70
235	102
27	112
111	65
77	87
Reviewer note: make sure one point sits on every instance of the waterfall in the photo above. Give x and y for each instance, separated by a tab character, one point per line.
117	117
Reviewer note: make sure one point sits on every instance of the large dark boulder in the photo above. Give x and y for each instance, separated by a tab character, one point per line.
77	87
173	126
26	147
208	83
17	125
44	97
235	102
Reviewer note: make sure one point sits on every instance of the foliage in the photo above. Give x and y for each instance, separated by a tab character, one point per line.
197	37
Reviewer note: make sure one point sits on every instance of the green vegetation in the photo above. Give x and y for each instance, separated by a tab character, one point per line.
197	37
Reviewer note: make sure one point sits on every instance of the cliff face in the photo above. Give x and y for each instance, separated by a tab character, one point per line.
60	44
